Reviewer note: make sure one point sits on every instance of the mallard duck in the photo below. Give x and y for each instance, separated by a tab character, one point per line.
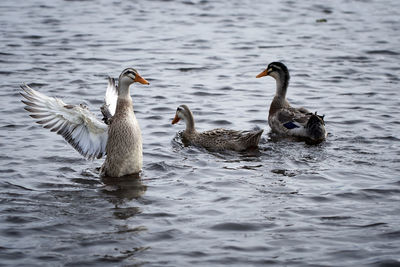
287	120
216	139
118	137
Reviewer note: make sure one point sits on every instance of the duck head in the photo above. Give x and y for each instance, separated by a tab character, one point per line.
277	70
126	78
183	112
280	73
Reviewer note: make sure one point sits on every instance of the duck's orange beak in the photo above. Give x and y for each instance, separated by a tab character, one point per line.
262	74
176	119
140	79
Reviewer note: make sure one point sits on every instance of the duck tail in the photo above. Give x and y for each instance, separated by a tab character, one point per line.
316	128
254	137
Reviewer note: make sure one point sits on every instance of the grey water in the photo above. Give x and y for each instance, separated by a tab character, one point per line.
285	204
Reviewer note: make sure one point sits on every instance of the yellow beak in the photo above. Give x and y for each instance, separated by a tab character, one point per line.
262	74
176	119
140	79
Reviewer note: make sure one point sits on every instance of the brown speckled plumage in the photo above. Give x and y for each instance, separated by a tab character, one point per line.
216	139
124	146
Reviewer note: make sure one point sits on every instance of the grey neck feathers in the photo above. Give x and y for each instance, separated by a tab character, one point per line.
189	123
282	83
124	101
281	86
123	89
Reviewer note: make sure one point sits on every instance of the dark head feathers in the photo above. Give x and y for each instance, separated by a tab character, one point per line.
183	107
129	71
279	67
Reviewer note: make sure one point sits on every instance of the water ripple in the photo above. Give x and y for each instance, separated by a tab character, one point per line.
286	203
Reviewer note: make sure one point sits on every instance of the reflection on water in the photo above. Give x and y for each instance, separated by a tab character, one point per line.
287	203
124	188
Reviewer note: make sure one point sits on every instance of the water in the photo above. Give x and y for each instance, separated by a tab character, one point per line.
288	204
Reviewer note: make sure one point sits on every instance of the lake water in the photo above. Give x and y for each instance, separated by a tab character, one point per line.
287	204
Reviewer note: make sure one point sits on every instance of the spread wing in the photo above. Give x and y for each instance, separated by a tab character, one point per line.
76	124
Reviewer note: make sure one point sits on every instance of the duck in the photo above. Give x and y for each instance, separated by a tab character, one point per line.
117	136
217	139
286	120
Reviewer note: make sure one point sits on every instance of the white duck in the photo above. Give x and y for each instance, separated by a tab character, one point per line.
119	136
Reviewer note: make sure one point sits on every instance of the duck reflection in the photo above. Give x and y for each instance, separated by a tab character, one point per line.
124	188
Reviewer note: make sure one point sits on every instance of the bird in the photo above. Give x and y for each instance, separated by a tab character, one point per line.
216	139
117	136
286	120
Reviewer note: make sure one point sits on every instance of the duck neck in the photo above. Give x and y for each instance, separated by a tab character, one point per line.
123	89
190	123
124	101
282	83
124	106
279	101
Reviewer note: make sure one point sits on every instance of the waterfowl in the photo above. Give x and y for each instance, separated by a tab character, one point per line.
118	137
287	120
216	139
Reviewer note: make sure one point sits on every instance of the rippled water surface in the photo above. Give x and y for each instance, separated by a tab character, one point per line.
287	204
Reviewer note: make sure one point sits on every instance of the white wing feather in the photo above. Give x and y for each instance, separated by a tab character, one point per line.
111	96
76	124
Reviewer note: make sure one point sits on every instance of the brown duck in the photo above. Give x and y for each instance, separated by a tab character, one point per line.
118	136
216	139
